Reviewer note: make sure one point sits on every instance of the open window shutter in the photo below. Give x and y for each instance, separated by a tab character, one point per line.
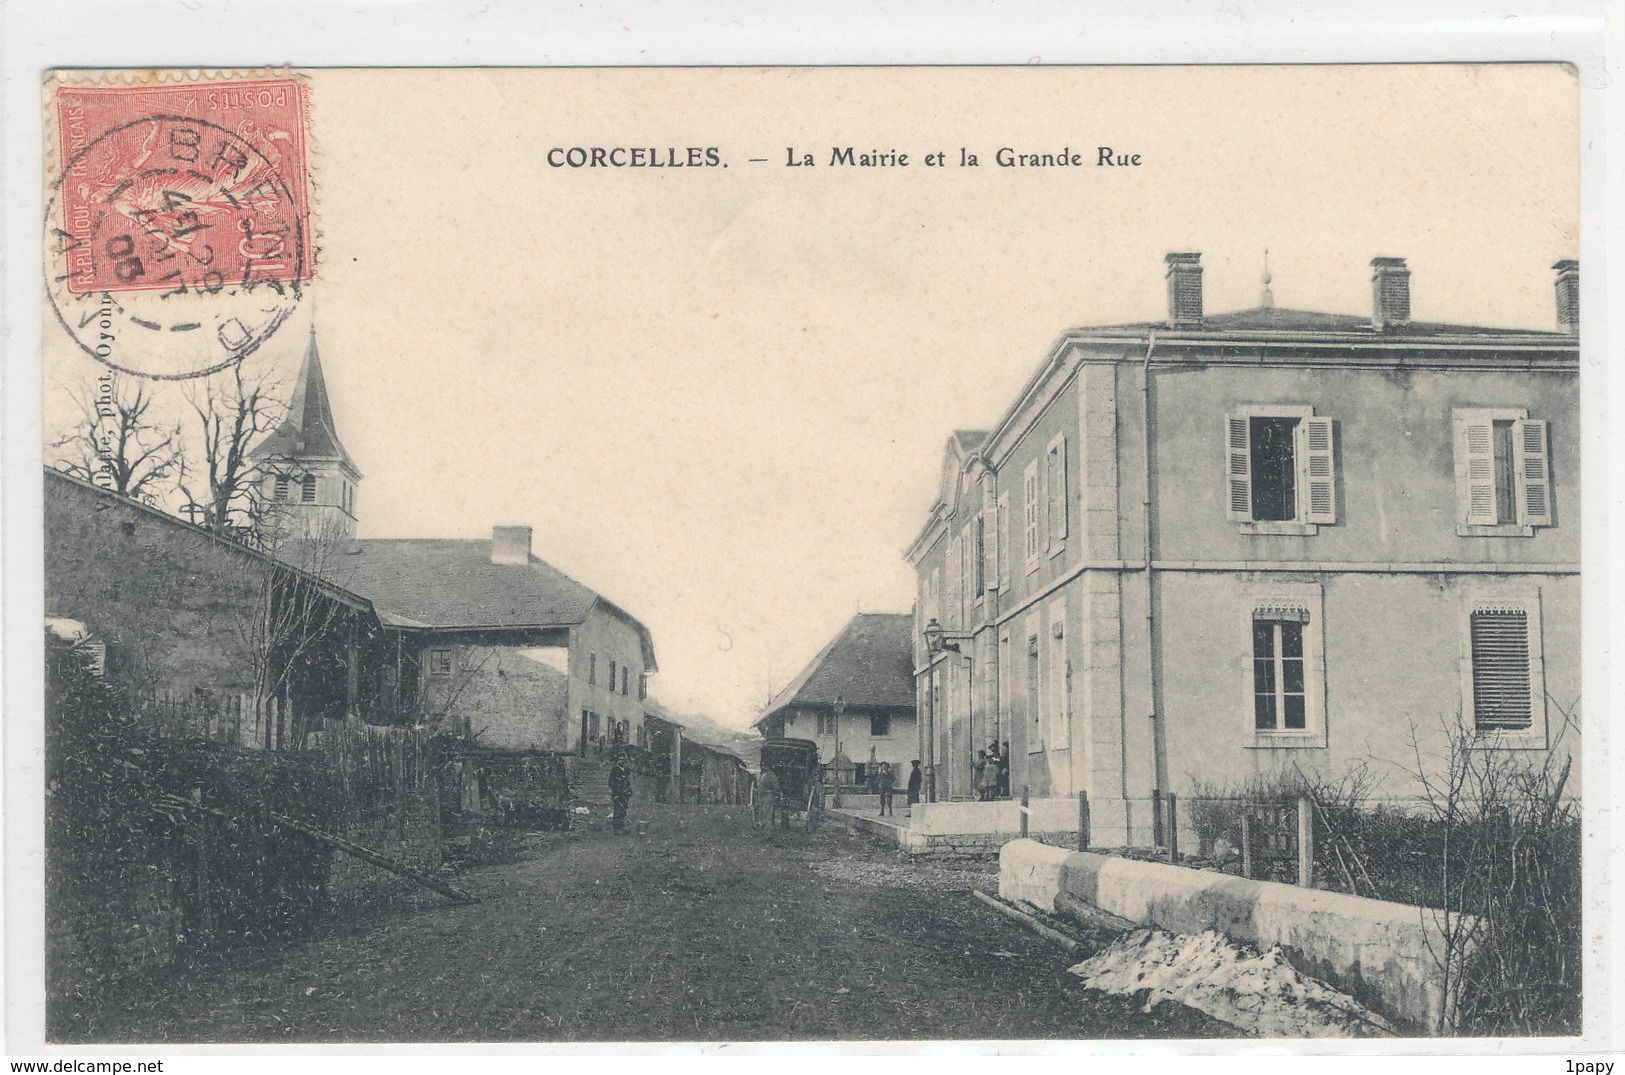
1238	468
1320	471
1532	459
1475	471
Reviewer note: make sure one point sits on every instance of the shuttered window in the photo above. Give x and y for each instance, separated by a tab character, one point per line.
307	489
1280	467
984	553
1503	469
1502	699
1029	499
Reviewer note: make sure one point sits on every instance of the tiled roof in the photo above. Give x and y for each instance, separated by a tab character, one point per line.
1271	319
444	583
870	663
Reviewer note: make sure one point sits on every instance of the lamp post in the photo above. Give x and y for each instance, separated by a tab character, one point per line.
937	642
838	708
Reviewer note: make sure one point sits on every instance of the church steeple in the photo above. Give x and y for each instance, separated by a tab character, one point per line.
310	479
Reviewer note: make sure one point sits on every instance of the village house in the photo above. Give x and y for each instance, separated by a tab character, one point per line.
1221	548
493	643
855	699
481	637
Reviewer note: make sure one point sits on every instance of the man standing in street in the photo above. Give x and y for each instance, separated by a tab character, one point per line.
886	781
620	789
915	779
767	799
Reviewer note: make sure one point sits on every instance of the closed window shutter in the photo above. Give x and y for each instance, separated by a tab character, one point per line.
1475	471
1057	492
1320	471
964	551
1501	681
1238	468
990	552
1030	510
1532	459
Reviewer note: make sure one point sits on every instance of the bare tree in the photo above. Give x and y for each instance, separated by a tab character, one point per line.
116	441
297	627
219	487
1506	936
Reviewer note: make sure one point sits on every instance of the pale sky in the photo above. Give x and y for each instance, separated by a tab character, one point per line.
720	395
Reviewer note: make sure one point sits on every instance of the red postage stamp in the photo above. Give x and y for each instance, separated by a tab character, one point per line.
178	230
188	187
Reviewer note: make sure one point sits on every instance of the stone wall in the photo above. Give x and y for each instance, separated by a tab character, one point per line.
1385	954
169	599
509	697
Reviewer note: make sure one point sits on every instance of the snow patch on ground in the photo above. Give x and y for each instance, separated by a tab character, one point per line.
1257	992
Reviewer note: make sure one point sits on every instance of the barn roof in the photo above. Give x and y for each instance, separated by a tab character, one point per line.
451	584
869	663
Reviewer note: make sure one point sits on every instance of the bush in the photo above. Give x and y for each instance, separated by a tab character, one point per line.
1490	852
136	874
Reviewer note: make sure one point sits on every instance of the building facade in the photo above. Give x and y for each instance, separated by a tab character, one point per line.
493	643
855	699
1210	551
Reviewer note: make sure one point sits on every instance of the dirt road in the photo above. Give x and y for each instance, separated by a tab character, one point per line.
703	930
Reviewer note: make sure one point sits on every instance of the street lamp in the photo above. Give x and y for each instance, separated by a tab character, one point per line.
936	639
839	707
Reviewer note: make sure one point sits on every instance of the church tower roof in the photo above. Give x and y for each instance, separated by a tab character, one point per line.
308	431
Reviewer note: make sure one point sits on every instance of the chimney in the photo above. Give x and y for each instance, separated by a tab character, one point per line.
1568	295
1390	293
510	544
1184	290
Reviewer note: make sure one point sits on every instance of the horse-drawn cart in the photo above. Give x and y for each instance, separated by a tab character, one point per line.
794	765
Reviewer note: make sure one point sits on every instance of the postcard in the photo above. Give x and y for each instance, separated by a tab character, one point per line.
813	554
